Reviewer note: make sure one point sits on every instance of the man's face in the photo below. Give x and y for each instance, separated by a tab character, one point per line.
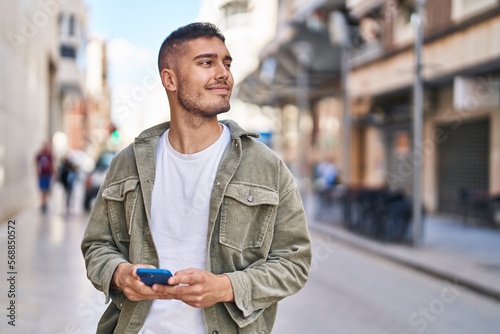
205	81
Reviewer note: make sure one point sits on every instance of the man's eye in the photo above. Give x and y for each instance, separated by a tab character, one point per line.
228	65
208	63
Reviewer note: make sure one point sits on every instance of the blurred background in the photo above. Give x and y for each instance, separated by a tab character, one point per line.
386	111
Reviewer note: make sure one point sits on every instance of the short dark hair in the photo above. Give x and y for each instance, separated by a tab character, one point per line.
177	38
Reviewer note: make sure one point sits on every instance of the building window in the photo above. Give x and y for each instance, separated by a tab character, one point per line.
60	23
72	25
464	8
236	13
370	29
235	7
67	51
402	28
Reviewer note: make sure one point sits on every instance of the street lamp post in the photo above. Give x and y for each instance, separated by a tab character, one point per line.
340	35
418	96
346	118
303	52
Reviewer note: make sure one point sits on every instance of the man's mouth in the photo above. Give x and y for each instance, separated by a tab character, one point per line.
219	88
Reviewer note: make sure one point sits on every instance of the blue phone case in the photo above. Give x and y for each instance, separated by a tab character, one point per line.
154	276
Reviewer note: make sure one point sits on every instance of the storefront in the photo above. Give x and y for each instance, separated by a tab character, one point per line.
385	138
463	168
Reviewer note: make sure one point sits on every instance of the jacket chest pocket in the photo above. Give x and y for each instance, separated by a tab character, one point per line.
122	200
246	213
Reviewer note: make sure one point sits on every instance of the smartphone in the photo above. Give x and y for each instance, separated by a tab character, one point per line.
154	276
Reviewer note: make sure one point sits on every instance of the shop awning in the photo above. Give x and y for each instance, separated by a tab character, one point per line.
274	82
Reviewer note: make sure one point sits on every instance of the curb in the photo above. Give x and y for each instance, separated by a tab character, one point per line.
375	248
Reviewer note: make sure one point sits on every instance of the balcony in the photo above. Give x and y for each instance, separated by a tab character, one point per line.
360	8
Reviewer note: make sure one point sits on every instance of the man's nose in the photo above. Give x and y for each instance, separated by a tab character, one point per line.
223	72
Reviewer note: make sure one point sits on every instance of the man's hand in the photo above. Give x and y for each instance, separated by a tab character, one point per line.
125	278
197	288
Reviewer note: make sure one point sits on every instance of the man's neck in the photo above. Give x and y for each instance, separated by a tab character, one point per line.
189	136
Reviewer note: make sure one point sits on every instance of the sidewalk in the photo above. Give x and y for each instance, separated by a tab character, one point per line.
466	255
52	292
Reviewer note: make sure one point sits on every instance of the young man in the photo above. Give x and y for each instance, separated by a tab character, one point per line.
202	199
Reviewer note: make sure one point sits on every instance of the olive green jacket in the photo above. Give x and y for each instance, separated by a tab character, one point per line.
257	233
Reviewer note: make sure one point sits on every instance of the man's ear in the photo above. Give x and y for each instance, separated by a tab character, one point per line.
168	79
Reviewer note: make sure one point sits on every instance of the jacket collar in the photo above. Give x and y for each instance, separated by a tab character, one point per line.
236	130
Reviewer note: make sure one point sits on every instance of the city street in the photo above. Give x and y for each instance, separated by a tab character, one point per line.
387	113
349	291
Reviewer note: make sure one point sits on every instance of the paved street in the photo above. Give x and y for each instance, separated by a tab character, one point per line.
355	292
349	291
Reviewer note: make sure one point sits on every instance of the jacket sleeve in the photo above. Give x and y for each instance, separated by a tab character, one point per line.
286	269
101	252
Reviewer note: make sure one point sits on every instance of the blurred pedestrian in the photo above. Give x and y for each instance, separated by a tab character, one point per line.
45	168
325	179
327	173
203	199
67	177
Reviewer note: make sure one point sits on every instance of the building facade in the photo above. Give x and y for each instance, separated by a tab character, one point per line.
42	95
351	100
461	73
72	22
98	98
28	96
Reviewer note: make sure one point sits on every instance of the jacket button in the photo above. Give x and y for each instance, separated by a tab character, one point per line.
215	332
250	198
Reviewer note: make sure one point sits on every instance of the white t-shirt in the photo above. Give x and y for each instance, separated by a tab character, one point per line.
179	224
